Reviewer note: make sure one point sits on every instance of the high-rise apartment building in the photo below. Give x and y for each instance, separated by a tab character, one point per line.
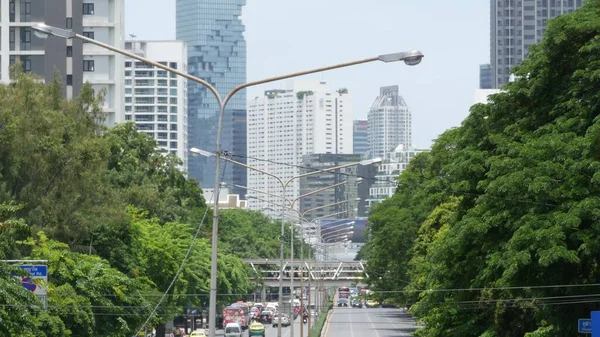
213	32
515	26
485	76
76	62
389	122
155	100
393	164
285	125
360	137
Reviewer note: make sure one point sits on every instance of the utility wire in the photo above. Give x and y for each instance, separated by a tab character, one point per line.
399	184
187	254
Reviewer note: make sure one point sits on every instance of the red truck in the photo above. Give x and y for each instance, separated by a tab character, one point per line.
233	315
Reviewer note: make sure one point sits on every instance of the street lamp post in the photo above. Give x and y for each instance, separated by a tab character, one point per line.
284	185
410	58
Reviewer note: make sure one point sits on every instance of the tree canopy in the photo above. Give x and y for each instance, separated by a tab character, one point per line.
113	216
495	232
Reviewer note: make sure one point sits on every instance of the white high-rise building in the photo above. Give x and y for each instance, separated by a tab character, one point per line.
393	164
76	62
104	20
283	125
156	100
389	123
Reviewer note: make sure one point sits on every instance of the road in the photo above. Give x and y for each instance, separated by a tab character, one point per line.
272	332
375	322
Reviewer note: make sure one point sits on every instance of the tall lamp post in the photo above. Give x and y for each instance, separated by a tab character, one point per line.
410	58
284	184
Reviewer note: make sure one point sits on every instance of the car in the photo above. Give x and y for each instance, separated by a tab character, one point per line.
266	317
283	319
256	329
356	303
198	333
342	302
233	330
372	304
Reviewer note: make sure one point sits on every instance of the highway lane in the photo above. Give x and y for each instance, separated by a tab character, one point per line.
286	331
375	322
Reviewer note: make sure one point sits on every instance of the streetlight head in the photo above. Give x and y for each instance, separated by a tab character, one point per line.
371	161
411	58
223	184
42	31
198	152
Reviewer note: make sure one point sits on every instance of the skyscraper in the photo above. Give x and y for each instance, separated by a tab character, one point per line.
515	26
214	35
389	122
360	137
284	125
156	101
76	62
485	76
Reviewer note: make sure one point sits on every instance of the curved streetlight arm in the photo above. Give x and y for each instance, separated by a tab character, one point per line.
315	192
258	191
326	170
299	73
347	229
329	216
154	63
324	206
204	153
328	239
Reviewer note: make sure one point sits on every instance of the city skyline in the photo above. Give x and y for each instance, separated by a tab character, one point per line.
279	41
216	53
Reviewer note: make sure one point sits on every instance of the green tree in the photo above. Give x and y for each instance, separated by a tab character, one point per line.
507	204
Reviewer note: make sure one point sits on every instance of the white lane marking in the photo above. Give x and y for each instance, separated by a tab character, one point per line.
373	324
351	328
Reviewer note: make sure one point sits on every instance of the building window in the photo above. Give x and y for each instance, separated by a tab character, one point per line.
25	10
89	35
26	63
127	64
69	23
25	38
12	11
88	9
69	51
69	79
88	65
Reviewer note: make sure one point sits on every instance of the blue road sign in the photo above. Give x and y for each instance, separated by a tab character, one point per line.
584	326
595	323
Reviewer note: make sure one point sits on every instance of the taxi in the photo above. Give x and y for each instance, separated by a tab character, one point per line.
372	304
198	333
256	329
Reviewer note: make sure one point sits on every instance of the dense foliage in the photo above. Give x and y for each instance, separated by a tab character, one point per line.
113	216
495	232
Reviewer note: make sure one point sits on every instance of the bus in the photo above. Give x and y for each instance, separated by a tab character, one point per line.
343	292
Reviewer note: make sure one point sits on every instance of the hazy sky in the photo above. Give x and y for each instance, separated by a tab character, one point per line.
289	35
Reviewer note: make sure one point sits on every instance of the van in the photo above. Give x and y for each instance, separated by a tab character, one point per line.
233	330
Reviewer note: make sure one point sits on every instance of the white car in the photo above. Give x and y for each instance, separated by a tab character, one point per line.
282	319
233	330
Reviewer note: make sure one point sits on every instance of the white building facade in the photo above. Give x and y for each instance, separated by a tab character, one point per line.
389	123
393	164
283	125
104	20
156	100
75	61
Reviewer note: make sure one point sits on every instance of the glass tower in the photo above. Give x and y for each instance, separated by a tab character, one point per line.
214	34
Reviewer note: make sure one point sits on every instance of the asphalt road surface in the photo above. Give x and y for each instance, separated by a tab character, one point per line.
271	331
373	322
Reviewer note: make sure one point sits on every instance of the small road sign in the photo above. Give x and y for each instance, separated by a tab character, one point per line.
584	326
